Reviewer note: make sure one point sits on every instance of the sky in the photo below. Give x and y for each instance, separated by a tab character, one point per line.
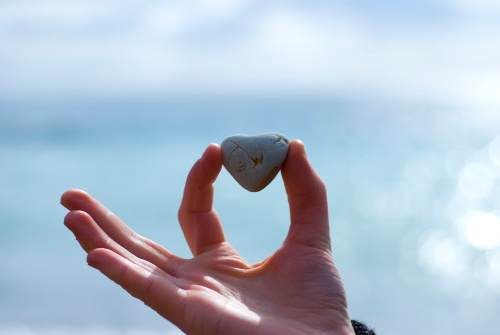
444	51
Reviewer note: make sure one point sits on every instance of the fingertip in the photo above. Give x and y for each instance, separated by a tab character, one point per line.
213	153
210	149
74	217
65	196
213	146
73	191
93	258
69	197
100	257
296	160
208	166
298	145
297	172
297	148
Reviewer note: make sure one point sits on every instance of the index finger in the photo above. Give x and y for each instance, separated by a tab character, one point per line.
199	221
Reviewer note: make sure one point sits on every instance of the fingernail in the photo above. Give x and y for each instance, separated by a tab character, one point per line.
303	147
207	148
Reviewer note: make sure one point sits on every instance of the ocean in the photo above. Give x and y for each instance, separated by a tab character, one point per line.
414	200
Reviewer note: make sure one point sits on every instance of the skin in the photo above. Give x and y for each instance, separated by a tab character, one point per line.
296	290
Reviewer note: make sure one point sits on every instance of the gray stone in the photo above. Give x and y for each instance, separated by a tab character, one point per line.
255	160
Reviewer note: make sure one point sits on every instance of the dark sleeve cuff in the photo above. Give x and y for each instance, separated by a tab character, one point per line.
361	329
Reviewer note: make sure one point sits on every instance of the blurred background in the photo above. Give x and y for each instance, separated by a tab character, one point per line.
398	104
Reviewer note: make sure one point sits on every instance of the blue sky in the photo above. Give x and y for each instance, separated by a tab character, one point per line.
445	51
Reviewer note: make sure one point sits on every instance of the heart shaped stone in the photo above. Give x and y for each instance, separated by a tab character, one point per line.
254	160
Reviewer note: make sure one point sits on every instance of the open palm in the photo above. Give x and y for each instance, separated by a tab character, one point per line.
297	290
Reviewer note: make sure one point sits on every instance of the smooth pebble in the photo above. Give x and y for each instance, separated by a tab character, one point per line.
255	160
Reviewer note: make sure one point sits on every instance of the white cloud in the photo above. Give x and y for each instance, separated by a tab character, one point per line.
168	47
173	17
222	7
494	150
68	12
477	6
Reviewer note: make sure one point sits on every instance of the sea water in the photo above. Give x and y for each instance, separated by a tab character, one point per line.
407	186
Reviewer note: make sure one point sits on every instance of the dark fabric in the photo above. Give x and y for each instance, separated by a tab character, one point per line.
361	329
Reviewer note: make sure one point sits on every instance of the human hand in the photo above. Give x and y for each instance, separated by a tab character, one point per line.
296	290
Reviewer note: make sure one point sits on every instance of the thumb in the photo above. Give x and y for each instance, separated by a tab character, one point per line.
307	200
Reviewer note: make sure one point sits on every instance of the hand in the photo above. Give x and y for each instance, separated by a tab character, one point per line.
297	290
